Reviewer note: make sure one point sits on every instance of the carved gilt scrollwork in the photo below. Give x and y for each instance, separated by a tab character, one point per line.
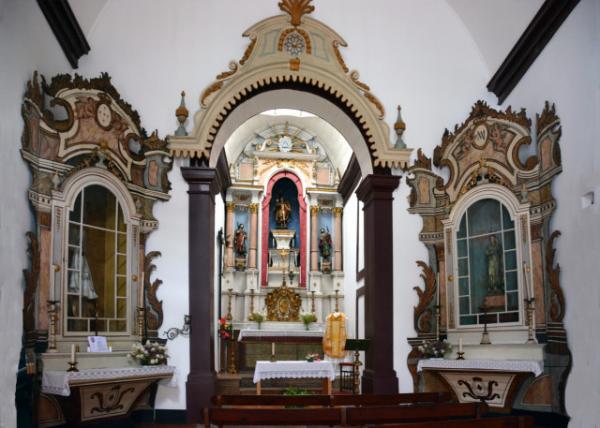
557	298
154	313
283	304
423	313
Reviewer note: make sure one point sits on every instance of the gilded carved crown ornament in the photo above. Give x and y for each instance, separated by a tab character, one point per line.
298	50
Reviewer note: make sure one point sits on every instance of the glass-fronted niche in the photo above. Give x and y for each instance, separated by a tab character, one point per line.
96	293
488	289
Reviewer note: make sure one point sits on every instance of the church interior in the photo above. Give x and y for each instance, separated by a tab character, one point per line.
300	212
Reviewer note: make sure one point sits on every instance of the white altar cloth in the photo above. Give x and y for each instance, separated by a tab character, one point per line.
293	369
58	382
534	366
256	333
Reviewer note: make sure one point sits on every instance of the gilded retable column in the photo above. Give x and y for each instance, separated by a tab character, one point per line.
337	244
253	208
229	232
314	238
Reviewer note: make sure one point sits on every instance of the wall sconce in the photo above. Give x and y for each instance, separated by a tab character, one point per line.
173	332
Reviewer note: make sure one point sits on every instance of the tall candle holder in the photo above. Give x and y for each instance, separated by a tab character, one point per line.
140	316
229	317
251	304
312	300
438	319
485	336
337	308
53	320
530	323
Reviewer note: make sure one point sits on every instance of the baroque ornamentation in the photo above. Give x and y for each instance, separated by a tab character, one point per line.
423	313
154	317
296	9
557	298
111	400
283	304
478	390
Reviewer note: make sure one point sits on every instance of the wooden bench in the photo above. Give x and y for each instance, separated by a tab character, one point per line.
390	399
267	417
329	400
496	422
400	414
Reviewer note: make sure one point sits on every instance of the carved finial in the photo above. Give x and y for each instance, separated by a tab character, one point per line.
296	8
399	127
182	114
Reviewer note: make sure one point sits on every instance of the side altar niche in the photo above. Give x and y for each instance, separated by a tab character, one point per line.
491	285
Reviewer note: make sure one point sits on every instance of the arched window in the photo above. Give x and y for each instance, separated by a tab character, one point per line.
96	292
488	288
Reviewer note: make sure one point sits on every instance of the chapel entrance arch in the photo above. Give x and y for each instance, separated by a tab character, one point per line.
314	79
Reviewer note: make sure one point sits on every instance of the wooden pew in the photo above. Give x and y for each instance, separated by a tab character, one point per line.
390	399
496	422
271	400
400	414
265	417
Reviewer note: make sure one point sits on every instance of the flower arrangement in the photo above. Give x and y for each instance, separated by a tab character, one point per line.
434	348
225	329
307	319
257	317
149	354
312	357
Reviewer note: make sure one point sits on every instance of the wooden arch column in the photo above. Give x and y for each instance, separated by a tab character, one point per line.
203	184
376	193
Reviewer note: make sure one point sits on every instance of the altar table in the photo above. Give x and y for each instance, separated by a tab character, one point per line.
296	370
494	382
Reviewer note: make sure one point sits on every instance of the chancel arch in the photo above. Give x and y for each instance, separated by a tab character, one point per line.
312	77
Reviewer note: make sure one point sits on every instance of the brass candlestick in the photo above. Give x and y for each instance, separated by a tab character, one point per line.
337	308
273	352
530	323
231	369
312	298
485	336
251	304
53	320
461	355
72	366
140	315
438	319
229	317
356	373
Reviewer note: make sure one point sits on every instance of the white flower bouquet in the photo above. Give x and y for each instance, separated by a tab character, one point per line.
149	354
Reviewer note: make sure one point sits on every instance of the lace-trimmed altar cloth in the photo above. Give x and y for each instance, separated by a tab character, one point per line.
534	366
293	369
58	382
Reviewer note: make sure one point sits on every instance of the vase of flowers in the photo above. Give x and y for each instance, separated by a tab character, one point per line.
149	354
225	329
312	357
308	319
258	318
434	348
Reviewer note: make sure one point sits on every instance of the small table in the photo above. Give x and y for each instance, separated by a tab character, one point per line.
294	369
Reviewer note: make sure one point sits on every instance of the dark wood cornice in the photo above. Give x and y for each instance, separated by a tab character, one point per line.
533	40
223	173
350	179
66	29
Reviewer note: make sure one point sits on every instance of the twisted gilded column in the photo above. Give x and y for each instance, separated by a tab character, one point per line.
253	208
314	238
229	232
337	236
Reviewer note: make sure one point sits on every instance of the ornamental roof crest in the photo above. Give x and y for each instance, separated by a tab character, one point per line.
292	49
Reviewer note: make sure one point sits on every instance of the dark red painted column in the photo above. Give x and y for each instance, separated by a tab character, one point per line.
203	185
375	192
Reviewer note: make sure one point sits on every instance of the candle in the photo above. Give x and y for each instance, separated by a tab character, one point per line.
272	348
72	352
460	344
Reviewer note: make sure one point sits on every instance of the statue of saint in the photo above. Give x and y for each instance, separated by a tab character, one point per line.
325	244
493	253
239	240
283	211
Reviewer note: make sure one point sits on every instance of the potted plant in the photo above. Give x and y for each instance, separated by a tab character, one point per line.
312	357
149	354
308	319
257	317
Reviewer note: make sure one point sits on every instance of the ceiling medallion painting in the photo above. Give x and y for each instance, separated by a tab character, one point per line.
291	48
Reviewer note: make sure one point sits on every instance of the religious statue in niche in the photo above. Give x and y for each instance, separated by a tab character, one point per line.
493	253
239	245
239	240
325	250
283	211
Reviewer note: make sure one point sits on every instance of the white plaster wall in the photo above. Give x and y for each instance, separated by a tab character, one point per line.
568	73
26	44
